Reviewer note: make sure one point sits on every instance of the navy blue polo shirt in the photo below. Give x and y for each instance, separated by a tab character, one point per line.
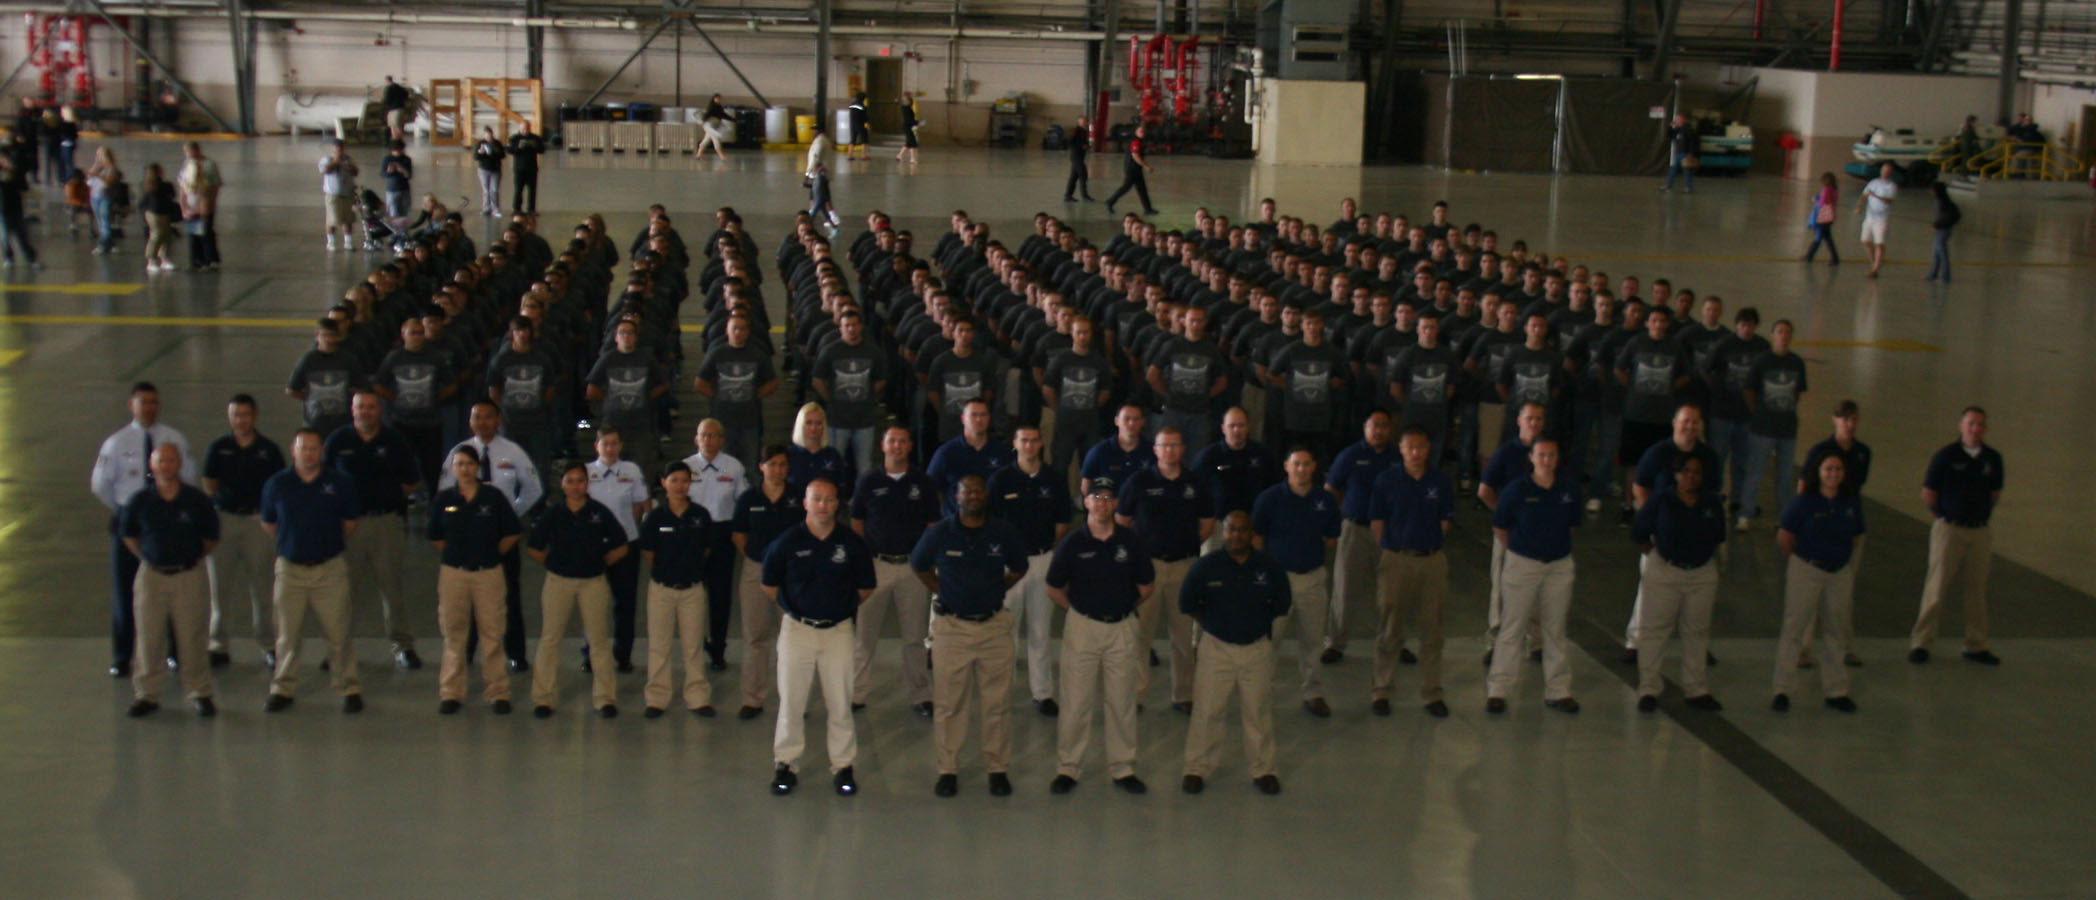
970	563
819	578
1353	475
1855	462
472	530
804	465
1235	477
240	472
677	544
1826	530
760	519
1412	510
1685	535
1538	522
575	541
1101	578
956	460
1035	504
170	533
378	467
1508	462
1167	512
896	510
1655	470
1235	601
308	515
1106	462
1296	527
1964	484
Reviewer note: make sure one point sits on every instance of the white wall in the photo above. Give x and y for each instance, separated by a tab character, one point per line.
2057	110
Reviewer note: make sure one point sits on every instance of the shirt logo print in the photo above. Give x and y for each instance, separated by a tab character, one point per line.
837	554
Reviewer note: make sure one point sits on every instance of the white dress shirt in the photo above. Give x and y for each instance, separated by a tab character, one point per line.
619	486
504	465
716	484
120	466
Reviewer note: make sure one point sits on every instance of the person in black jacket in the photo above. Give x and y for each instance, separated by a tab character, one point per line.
909	130
1681	148
488	154
14	231
524	148
1947	216
1080	167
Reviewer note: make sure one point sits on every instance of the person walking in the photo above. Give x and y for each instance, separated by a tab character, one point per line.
712	127
910	124
487	156
14	224
1875	203
158	204
1822	224
861	136
1947	216
1080	162
1134	168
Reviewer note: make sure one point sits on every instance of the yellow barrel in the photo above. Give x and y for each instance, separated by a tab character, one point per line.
804	129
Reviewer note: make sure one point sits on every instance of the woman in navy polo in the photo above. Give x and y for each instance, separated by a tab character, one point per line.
1819	531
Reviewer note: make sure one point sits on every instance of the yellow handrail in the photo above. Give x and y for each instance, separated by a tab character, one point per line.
2028	159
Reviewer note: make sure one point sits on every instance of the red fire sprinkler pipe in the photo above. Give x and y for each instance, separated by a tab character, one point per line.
1760	14
1834	54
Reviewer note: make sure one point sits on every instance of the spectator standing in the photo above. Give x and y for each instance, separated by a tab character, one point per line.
487	155
198	184
1947	216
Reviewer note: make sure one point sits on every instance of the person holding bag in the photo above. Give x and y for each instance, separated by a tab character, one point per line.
1822	223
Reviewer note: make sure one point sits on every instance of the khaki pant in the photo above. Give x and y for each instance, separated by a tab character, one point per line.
1254	403
895	585
1164	604
1498	599
557	601
760	636
1958	553
1099	658
1541	592
184	602
1675	596
1247	669
1810	592
325	590
971	658
1812	627
1035	611
808	654
465	601
1416	585
375	552
673	615
243	575
1353	582
1312	599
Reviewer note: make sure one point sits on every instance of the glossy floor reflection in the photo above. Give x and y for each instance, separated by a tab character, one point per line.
1974	773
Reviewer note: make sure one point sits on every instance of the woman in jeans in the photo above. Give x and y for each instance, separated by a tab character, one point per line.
1822	224
161	210
103	177
1947	216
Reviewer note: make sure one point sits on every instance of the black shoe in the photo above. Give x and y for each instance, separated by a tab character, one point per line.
1983	657
947	785
846	785
1192	784
1405	656
520	665
120	670
1069	199
1536	655
717	663
1709	658
625	665
1000	785
269	660
1183	707
1110	206
204	707
1488	657
1154	661
1629	657
856	706
501	707
1705	702
276	703
1149	212
1781	703
325	664
142	708
608	710
1805	662
1317	706
1131	784
922	709
1047	707
652	712
1062	784
1852	660
1841	704
704	712
1380	706
1648	703
783	779
1564	705
1437	709
406	659
1331	655
221	659
542	712
1090	199
1918	655
749	712
448	707
1267	784
353	703
1495	705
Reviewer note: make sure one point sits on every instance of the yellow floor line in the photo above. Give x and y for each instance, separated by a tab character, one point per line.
1858	263
153	321
8	357
85	288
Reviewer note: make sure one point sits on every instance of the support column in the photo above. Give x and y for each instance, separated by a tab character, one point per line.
2011	59
534	40
822	63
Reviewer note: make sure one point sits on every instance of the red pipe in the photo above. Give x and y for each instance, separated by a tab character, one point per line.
1760	12
1834	54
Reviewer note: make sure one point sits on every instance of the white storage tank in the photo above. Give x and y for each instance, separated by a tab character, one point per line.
778	125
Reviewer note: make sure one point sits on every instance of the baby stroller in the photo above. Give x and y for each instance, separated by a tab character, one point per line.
380	231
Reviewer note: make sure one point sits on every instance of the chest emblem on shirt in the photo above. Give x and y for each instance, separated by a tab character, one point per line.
1120	554
1259	578
1433	493
915	492
1189	489
837	554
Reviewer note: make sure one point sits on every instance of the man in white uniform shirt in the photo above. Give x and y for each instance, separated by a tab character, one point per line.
121	471
619	484
717	479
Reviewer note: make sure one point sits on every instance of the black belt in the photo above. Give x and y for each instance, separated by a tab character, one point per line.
1361	522
1968	524
1407	551
1173	559
816	623
899	559
172	570
678	587
314	564
941	609
1683	565
1108	619
1820	565
239	512
492	565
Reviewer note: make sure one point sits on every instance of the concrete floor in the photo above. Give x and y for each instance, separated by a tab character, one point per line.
1954	780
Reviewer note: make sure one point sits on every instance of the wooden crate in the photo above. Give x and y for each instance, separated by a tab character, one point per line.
637	137
580	136
676	137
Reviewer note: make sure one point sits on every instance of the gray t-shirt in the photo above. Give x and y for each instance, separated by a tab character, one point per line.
327	379
852	373
1189	368
414	378
736	375
626	379
1078	380
1306	375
